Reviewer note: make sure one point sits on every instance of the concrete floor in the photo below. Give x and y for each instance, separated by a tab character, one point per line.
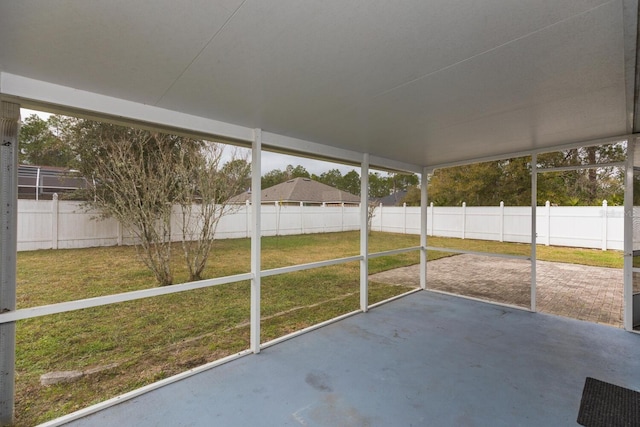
424	360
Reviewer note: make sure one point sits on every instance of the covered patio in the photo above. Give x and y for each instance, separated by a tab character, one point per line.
425	359
396	86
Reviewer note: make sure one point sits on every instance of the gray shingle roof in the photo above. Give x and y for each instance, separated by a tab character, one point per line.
300	190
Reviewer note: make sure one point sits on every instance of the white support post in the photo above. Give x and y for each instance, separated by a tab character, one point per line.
380	206
119	237
364	234
55	206
547	210
9	122
464	219
342	216
256	151
423	228
534	202
502	221
628	237
605	219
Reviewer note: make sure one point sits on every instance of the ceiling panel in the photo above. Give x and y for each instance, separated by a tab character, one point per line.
426	82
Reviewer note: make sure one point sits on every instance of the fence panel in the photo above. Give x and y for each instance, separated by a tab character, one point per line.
47	224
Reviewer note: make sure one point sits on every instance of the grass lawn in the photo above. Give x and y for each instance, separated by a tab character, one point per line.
135	343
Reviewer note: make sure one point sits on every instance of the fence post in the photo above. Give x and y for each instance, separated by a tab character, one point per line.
342	216
119	231
604	225
502	221
431	218
404	211
380	217
464	219
54	221
247	216
301	217
547	206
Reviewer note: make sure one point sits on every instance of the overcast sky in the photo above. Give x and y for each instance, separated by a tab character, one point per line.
270	160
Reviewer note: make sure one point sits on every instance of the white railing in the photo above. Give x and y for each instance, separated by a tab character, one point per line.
58	224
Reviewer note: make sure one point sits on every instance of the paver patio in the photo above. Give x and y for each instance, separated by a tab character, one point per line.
594	294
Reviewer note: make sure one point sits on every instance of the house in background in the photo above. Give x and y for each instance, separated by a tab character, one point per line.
301	190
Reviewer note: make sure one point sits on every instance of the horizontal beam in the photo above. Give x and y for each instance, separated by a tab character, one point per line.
308	266
394	252
37	94
580	167
45	310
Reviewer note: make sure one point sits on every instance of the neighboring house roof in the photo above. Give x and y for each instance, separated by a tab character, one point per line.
300	190
392	199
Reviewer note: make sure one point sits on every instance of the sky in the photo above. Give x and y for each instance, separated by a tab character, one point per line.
270	161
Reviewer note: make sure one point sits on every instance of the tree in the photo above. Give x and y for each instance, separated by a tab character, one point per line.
205	186
351	182
333	177
140	177
40	145
277	176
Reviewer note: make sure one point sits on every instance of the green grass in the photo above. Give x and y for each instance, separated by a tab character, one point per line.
154	338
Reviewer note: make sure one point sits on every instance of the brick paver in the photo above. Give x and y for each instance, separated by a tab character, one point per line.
582	292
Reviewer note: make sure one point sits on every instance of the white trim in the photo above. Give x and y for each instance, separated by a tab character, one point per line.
499	304
256	206
534	232
62	99
580	167
378	304
562	146
364	233
423	228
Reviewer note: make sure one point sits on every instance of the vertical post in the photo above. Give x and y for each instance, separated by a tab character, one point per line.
9	121
605	219
502	221
464	219
547	211
256	152
38	184
404	214
423	228
432	216
342	216
301	217
247	215
55	206
277	209
534	202
380	217
364	233
119	233
628	236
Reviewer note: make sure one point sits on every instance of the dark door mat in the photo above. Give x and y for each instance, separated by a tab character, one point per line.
608	405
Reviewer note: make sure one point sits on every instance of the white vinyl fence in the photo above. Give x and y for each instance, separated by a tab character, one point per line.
598	227
54	224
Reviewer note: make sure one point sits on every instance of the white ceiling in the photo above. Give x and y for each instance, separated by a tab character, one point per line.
420	82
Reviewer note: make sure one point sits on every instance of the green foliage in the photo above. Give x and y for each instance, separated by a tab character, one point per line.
40	143
489	183
278	176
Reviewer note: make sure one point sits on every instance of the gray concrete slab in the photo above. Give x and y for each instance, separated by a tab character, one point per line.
425	359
